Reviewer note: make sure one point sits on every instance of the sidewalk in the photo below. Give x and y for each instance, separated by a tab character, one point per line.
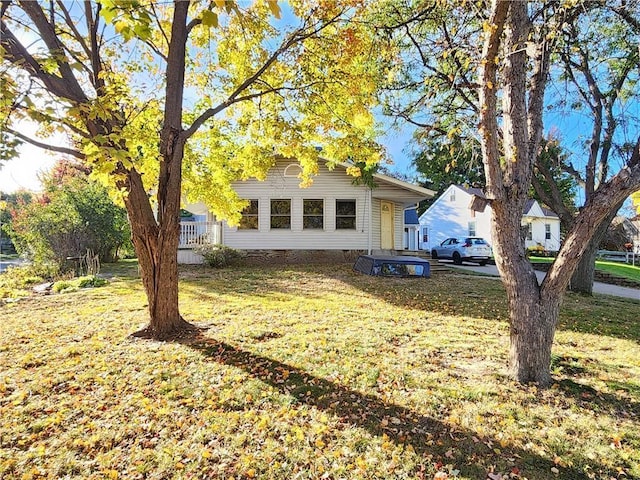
598	287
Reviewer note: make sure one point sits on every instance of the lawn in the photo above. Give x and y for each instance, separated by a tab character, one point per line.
623	270
311	373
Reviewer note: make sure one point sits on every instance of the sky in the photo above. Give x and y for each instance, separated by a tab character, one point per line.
22	173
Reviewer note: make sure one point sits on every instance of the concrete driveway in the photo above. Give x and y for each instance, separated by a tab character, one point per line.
598	287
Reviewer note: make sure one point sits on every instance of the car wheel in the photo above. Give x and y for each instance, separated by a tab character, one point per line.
434	254
483	263
457	259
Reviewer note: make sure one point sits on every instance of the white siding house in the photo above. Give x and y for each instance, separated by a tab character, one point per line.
451	215
331	215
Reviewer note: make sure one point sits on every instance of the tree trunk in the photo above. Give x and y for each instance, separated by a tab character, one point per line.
583	277
157	248
584	274
532	318
532	328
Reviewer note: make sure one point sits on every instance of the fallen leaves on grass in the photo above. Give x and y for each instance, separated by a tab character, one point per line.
312	372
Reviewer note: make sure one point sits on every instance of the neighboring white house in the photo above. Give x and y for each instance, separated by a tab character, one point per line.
452	215
331	218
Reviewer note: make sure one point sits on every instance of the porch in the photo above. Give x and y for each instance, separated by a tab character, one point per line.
193	234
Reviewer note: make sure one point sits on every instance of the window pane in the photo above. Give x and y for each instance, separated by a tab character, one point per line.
346	214
346	222
281	214
248	223
252	208
313	214
281	222
249	220
345	207
280	207
313	207
313	222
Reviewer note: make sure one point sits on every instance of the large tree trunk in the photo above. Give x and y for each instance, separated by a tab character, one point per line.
156	245
532	318
532	327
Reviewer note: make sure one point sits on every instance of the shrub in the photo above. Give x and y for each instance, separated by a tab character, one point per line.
88	281
536	251
218	256
68	220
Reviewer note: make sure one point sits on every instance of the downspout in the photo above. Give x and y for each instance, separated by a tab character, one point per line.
370	227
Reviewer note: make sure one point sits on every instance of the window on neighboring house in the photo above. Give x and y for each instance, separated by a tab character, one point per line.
472	229
281	214
547	231
452	196
346	214
529	231
313	214
249	220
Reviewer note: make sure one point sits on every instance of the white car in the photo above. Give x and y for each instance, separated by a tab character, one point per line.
471	249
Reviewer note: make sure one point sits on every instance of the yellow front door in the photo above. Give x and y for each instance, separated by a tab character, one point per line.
386	225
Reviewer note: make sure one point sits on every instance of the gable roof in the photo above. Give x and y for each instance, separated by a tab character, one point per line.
472	190
533	209
391	181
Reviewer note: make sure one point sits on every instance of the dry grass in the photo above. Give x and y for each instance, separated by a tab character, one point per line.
313	372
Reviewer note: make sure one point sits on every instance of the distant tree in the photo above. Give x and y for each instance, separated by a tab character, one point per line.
442	163
9	203
74	214
448	161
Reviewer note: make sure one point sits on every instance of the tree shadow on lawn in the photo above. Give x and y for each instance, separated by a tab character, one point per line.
468	451
606	403
485	298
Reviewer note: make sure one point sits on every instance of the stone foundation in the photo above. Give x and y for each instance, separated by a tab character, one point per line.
268	257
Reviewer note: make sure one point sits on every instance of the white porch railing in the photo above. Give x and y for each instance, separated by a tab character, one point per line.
199	233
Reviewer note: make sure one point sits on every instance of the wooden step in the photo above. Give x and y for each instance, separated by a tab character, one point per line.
435	265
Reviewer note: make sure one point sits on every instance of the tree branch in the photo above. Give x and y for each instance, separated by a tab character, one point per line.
55	47
295	37
72	25
488	101
45	146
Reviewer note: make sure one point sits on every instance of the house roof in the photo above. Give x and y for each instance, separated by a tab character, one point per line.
412	193
531	203
406	185
472	191
527	206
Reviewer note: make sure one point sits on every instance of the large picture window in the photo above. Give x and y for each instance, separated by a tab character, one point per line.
281	214
313	214
249	220
346	214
